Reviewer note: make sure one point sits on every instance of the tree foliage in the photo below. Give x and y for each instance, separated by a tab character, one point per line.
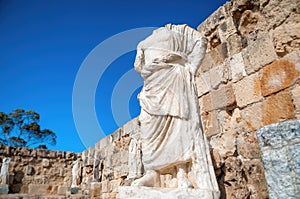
21	128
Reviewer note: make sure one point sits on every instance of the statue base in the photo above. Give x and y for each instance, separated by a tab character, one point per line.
130	192
4	189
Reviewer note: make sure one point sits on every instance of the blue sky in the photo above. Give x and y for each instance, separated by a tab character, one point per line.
43	44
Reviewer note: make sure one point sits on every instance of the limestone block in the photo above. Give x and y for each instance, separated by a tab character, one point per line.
224	144
210	123
219	53
276	12
29	170
255	173
226	29
247	145
205	103
39	189
223	97
296	99
294	57
258	54
62	190
95	189
166	193
45	163
207	63
114	185
248	22
215	75
277	76
210	24
104	186
234	44
253	117
278	108
230	120
287	36
248	90
203	83
130	126
237	67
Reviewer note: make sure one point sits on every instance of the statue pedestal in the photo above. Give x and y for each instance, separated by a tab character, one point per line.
130	192
4	189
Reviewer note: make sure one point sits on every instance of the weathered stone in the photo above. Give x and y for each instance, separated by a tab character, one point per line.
296	100
215	75
287	36
226	29
210	123
253	117
254	171
277	108
280	145
276	12
223	97
147	193
62	190
234	44
247	145
224	144
248	90
45	163
205	103
104	185
259	54
210	24
95	189
294	57
219	53
29	170
203	84
237	67
39	189
229	120
277	76
248	22
207	63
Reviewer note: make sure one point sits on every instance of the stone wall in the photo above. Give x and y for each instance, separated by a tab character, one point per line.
249	78
38	171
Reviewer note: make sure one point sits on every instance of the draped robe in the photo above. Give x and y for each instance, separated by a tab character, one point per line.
171	130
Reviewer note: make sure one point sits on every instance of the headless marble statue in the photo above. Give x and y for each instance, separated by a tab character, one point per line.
171	134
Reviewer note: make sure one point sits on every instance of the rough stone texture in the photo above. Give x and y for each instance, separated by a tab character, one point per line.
277	76
210	123
252	117
260	53
203	83
237	67
280	145
222	97
296	99
252	85
277	108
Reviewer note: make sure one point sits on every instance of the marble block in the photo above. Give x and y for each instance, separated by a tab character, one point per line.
130	192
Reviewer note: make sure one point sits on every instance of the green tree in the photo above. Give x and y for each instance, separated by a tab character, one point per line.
21	128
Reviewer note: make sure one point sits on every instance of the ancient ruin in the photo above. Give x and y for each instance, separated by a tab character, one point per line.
247	80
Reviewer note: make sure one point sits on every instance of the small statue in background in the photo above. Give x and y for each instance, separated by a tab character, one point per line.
5	171
76	173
